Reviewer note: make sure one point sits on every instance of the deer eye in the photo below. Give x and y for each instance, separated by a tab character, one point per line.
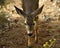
33	23
25	23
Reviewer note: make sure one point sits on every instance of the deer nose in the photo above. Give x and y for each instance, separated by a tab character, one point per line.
29	33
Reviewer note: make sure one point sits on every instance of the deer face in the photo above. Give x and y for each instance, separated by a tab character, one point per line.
30	24
29	19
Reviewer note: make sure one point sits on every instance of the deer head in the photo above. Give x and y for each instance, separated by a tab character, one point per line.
30	21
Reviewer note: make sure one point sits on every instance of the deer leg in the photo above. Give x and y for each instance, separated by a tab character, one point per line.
36	37
36	28
36	34
29	42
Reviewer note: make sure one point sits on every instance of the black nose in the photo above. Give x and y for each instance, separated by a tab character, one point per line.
30	34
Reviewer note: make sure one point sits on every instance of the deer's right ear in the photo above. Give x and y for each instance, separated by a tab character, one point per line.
20	12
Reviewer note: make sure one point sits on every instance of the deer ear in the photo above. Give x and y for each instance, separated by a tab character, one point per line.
20	12
38	11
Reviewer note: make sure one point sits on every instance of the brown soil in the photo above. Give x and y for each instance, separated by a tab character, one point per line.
17	37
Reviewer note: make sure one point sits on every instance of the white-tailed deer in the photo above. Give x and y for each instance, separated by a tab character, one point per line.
30	12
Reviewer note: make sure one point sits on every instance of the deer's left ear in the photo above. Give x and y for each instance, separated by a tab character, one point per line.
38	11
20	12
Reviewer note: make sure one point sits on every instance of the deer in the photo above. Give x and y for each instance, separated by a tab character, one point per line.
30	13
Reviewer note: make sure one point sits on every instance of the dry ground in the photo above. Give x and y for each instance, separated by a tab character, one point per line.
17	37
